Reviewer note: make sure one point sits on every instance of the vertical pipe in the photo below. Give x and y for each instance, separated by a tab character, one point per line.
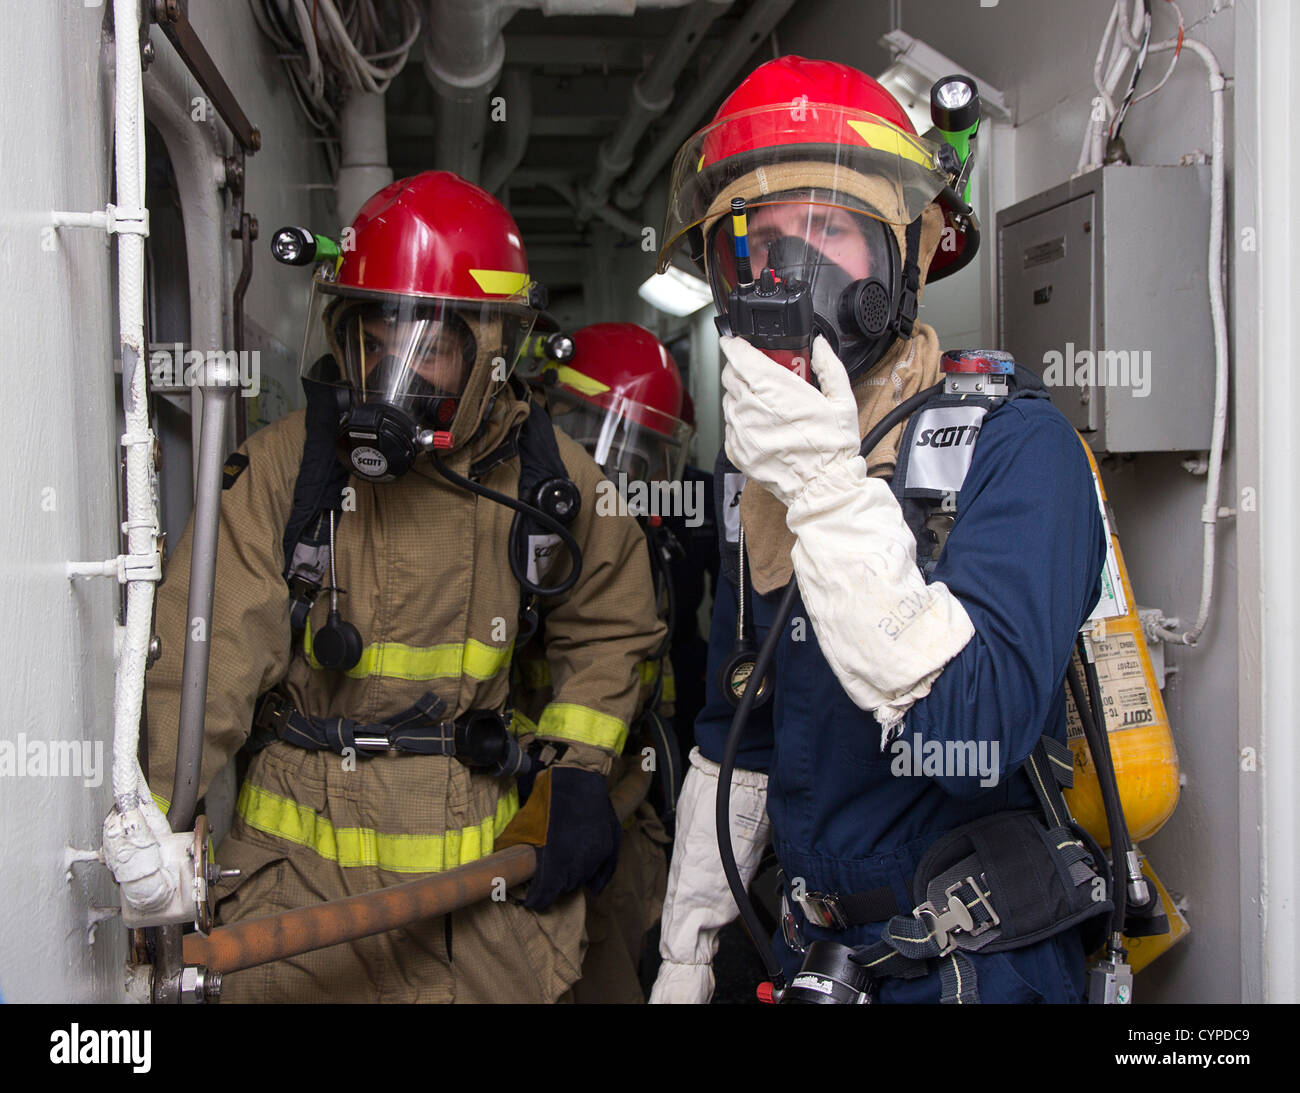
1278	40
363	157
203	571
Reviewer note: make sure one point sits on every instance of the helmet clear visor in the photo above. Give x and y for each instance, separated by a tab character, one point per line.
856	158
624	437
414	353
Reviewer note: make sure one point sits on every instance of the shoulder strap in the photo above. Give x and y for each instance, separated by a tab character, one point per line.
321	476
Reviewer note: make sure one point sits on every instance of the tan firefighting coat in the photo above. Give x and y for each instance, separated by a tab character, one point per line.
428	586
623	913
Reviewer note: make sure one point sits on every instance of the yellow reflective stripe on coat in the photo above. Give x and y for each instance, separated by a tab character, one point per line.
566	721
353	847
648	670
393	660
521	724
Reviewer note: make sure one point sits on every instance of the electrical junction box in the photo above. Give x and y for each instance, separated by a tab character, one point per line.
1102	290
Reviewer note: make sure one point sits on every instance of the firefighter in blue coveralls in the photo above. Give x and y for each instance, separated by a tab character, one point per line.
942	581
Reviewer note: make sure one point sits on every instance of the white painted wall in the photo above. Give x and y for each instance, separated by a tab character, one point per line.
1041	55
60	314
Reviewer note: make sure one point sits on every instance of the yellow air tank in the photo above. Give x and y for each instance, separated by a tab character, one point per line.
1141	745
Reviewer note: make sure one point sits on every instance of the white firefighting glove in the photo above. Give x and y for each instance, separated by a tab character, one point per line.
699	902
885	633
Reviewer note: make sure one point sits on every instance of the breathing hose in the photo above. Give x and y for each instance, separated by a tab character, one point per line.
1092	719
521	510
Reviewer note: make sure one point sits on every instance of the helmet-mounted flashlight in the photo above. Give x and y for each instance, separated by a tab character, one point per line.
302	247
955	111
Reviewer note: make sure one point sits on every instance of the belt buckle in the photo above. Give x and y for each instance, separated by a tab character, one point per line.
957	918
273	712
789	928
823	909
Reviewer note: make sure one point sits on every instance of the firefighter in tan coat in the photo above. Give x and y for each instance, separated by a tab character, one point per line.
619	394
373	606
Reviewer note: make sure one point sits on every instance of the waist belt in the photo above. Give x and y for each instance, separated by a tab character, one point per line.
835	911
1001	882
478	738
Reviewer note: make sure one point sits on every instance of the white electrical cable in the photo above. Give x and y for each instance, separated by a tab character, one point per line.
1161	628
1093	148
142	512
337	53
1172	63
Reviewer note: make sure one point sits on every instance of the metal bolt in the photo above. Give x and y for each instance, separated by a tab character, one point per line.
192	984
146	56
155	651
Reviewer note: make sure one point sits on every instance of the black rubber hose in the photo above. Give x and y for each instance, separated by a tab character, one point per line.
1095	733
521	509
766	653
904	409
722	814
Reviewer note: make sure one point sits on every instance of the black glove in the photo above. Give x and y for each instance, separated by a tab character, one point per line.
570	820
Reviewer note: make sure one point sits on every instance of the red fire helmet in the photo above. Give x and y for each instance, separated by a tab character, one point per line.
428	309
620	396
435	234
800	124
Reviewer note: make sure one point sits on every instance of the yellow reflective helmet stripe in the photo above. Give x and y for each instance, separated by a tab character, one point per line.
500	282
393	660
884	138
582	725
580	382
353	847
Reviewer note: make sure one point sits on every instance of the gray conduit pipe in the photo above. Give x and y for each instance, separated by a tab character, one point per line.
517	90
735	51
651	96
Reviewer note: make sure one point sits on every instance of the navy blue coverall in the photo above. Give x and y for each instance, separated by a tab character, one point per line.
1024	557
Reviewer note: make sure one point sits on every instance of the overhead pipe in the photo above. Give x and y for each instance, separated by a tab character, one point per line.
517	90
261	940
758	23
651	96
605	212
463	57
363	153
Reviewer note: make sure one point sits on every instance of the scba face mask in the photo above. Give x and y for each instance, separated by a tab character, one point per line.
849	260
415	373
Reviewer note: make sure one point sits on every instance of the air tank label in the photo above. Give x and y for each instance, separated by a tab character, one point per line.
1126	700
942	445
